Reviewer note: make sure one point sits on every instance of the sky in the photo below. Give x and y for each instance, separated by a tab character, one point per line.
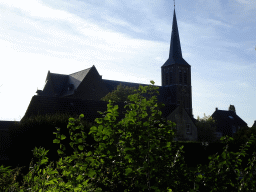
129	40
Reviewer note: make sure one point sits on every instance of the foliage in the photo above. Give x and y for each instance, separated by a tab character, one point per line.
120	94
243	134
36	129
133	156
206	128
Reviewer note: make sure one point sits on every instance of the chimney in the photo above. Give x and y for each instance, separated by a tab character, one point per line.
232	108
216	108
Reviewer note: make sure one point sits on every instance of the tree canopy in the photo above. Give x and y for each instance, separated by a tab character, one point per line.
120	94
206	128
243	134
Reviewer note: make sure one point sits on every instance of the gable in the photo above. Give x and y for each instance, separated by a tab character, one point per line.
183	121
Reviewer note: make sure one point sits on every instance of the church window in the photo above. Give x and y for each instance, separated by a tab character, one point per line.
230	117
166	78
171	77
185	77
180	76
233	128
188	128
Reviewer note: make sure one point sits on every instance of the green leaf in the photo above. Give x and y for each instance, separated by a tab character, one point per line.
100	129
80	140
56	141
44	161
59	152
91	173
63	137
81	147
223	155
127	171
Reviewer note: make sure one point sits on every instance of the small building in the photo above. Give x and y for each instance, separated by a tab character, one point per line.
227	122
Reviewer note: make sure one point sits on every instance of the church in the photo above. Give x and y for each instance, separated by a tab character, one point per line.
81	92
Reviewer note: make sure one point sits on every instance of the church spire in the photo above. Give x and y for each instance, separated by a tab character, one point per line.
175	48
175	54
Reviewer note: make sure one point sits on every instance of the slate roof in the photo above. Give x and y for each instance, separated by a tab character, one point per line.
175	55
228	117
75	79
112	84
61	82
57	81
4	125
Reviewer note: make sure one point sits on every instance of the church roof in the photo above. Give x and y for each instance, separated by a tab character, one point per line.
57	81
74	79
4	125
175	55
228	117
112	84
61	82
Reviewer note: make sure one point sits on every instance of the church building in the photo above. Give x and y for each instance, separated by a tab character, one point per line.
86	88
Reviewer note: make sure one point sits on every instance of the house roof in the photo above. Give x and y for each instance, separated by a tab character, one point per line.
175	55
228	117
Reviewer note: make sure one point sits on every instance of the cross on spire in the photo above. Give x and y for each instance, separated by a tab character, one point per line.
174	3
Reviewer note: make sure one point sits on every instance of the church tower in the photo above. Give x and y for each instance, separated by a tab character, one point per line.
176	72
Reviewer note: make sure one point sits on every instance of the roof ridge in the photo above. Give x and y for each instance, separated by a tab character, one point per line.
130	82
81	70
58	74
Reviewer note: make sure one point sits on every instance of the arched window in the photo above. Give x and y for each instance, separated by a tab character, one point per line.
170	77
166	78
180	76
185	77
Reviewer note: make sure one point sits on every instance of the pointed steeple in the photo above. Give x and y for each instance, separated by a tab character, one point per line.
175	54
175	49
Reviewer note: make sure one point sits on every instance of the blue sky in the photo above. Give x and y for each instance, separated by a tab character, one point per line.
129	41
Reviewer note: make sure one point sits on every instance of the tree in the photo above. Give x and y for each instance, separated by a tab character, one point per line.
120	94
206	128
243	134
133	153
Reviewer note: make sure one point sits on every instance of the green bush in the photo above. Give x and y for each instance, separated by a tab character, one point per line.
130	155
